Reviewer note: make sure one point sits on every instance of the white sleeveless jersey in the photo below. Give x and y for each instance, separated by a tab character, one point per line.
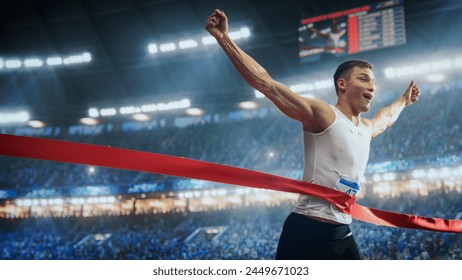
335	158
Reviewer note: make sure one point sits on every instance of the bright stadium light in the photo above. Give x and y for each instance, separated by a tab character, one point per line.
435	78
247	105
443	64
13	63
89	121
1	63
53	61
77	59
304	87
86	57
258	94
14	117
36	124
245	32
93	112
108	112
167	47
323	84
208	40
152	48
145	108
418	174
389	176
129	110
33	62
445	172
457	62
194	112
432	174
187	44
141	117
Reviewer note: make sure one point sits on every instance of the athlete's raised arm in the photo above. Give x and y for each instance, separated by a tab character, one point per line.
314	114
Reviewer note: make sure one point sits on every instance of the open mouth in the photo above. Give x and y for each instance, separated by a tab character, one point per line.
368	96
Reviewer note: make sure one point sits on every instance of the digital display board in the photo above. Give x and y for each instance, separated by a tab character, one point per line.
351	31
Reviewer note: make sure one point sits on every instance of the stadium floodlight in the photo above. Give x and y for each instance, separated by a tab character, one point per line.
303	87
258	94
152	48
54	61
207	200
167	47
247	105
194	112
1	63
14	117
323	84
183	103
208	40
436	77
93	112
108	112
33	63
43	202
188	44
457	63
25	202
457	172
89	121
445	172
307	95
390	72
86	57
432	174
129	110
389	176
444	64
58	201
13	63
245	32
141	117
77	59
418	174
222	192
36	124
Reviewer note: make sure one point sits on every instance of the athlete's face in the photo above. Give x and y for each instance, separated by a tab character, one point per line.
359	89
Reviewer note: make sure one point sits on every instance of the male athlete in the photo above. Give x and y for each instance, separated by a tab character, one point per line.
336	146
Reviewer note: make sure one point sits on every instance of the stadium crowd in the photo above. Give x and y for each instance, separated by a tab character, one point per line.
249	233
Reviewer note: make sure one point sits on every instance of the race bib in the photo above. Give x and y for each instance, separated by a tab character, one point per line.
347	185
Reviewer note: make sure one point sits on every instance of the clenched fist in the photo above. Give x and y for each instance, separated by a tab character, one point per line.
217	24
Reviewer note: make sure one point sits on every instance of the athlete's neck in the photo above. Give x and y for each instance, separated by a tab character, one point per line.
355	118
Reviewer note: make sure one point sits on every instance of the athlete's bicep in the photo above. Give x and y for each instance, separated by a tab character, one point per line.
310	112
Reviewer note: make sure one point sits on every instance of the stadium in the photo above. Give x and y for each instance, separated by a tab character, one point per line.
145	76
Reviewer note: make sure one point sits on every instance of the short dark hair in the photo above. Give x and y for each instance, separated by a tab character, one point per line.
344	69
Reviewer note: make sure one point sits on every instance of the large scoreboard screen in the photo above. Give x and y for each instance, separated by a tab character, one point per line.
364	28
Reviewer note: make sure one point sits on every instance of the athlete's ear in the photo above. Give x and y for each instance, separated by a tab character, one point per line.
341	84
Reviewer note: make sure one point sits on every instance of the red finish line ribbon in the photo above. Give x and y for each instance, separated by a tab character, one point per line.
105	156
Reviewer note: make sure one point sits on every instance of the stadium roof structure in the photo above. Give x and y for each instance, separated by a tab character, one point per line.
116	34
